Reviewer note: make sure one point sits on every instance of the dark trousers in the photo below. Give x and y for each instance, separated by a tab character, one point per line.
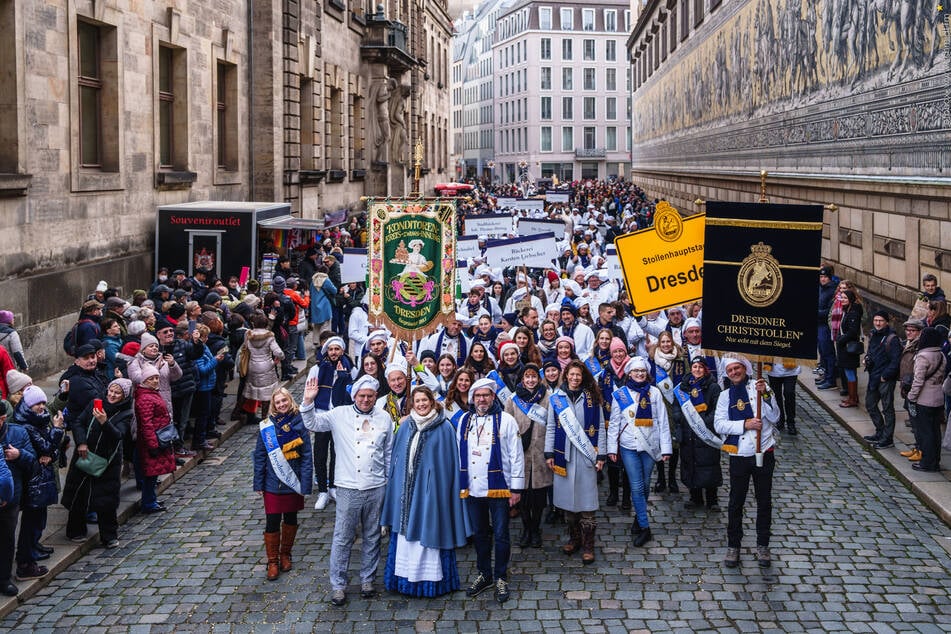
8	529
325	460
490	519
826	352
785	389
884	418
929	421
76	520
182	411
742	470
32	523
204	417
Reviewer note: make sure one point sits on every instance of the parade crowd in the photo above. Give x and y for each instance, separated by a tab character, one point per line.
540	389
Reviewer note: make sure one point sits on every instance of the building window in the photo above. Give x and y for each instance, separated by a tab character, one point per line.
590	111
546	48
684	19
567	19
357	140
226	120
610	139
697	12
589	82
566	79
566	49
567	139
309	141
610	108
610	20
546	78
588	50
567	108
587	19
10	99
610	79
90	96
546	138
610	51
172	108
590	138
335	138
546	108
544	18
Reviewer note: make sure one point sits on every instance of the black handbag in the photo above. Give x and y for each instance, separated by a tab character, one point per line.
41	488
166	436
854	347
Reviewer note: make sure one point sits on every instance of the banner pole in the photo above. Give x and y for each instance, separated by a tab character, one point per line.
759	415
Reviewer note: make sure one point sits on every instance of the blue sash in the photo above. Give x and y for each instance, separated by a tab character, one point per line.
456	418
282	468
533	410
665	384
594	366
503	393
573	432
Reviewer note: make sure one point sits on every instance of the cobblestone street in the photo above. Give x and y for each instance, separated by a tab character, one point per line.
854	551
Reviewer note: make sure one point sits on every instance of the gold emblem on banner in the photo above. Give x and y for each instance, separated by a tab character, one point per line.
667	222
760	280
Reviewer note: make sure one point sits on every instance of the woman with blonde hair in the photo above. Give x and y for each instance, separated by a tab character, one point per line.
283	464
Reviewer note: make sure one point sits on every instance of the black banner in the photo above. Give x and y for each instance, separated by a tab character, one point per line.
760	279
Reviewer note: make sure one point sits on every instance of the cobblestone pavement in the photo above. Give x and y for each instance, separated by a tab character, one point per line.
854	550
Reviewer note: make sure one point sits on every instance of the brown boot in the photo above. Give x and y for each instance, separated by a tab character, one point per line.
288	533
852	400
272	546
574	538
587	542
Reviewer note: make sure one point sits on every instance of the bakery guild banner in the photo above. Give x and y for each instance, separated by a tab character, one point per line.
760	284
663	264
412	255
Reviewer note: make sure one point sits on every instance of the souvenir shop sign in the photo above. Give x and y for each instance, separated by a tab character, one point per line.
663	264
354	265
412	264
760	293
532	251
489	225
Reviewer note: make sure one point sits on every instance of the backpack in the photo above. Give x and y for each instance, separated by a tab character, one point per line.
69	341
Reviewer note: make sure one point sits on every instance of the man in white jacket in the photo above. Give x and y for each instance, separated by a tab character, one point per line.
737	418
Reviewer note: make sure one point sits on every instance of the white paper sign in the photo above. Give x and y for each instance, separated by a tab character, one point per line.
556	196
489	225
354	266
613	264
462	274
467	247
534	251
535	226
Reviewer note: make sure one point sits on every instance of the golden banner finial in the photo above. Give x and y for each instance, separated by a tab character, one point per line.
417	163
762	186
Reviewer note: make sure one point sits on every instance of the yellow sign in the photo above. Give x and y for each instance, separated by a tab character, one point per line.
663	265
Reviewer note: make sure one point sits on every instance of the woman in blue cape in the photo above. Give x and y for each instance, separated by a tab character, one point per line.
422	505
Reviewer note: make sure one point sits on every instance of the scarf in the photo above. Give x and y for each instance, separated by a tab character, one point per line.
287	436
394	407
644	416
509	374
326	375
619	368
546	346
740	409
498	487
663	359
461	347
562	400
421	423
695	388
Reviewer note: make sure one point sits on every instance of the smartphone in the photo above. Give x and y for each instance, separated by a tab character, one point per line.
97	403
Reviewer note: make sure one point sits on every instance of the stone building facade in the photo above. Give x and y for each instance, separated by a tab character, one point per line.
114	108
842	103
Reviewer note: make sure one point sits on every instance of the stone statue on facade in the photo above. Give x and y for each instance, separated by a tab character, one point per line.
382	98
398	123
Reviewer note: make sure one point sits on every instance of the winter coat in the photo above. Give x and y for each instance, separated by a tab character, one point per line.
6	364
849	330
22	467
321	304
883	355
84	387
537	473
87	329
112	345
262	377
167	374
205	371
826	297
102	493
151	414
699	462
264	477
185	353
929	373
10	340
223	367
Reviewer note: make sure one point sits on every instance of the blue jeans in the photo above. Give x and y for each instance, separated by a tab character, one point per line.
490	518
149	497
850	375
638	465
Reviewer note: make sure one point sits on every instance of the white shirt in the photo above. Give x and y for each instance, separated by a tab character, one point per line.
769	415
363	443
655	439
480	448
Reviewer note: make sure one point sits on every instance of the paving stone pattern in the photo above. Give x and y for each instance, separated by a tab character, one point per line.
854	550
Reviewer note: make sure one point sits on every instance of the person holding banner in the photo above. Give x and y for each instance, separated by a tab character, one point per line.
282	466
700	470
745	414
639	435
529	407
669	366
574	446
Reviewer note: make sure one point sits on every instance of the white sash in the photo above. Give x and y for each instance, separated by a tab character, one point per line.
282	468
695	421
665	384
573	430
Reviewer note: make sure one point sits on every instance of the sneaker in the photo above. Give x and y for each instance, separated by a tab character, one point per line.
764	557
184	453
367	591
501	590
874	438
884	444
333	493
732	559
323	498
478	585
92	518
338	597
111	544
31	570
79	539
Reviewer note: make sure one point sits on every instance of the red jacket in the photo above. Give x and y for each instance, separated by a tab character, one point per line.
299	301
151	415
6	364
